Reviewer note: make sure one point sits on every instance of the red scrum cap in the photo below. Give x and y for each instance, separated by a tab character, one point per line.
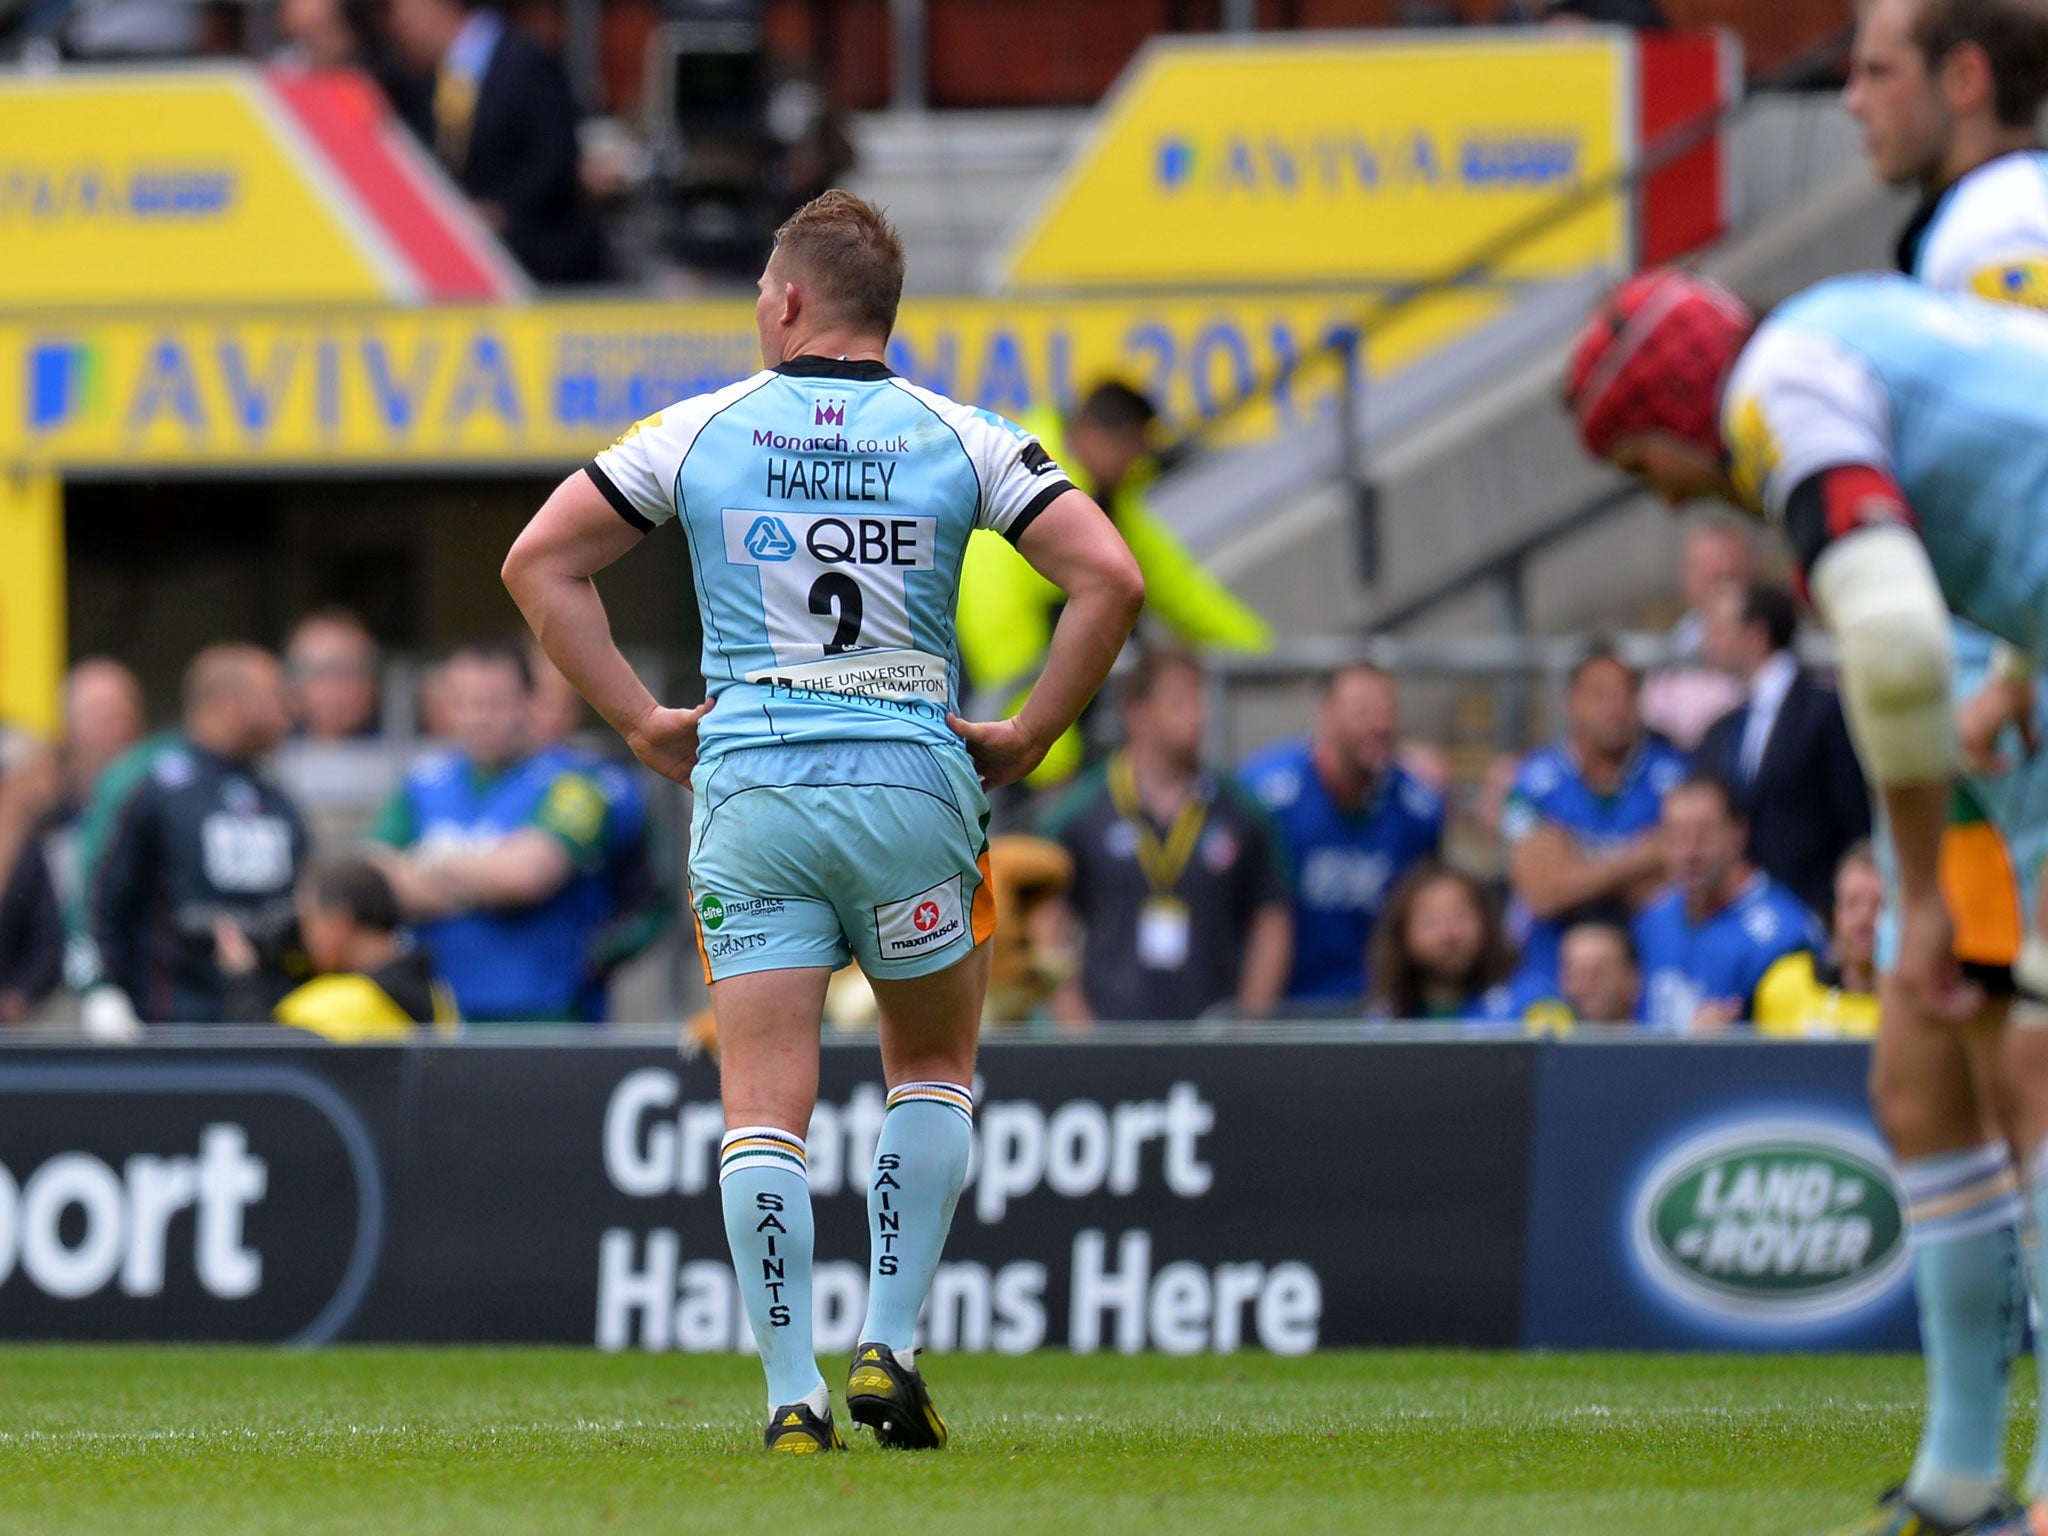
1653	355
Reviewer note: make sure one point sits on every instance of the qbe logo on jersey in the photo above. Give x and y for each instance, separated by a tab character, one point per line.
832	582
1772	1221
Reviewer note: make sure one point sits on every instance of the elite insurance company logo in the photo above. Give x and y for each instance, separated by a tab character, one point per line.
1772	1221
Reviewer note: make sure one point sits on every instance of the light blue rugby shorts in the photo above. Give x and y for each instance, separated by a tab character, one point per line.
824	852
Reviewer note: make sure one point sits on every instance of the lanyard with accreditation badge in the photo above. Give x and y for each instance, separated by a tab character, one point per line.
1163	919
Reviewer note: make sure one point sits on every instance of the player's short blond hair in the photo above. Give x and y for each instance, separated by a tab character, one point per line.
848	255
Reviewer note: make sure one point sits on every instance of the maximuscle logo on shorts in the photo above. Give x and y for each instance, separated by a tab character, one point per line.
1772	1221
930	920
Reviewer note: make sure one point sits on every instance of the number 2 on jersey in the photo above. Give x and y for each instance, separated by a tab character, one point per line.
835	591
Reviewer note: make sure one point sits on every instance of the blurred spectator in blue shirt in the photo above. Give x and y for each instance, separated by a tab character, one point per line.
1581	823
1706	944
1439	951
643	881
1353	821
1600	977
504	853
1599	981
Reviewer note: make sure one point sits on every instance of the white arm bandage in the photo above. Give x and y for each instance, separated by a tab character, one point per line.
1875	589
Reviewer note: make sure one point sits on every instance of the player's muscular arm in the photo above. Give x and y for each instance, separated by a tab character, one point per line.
1075	547
575	535
1553	875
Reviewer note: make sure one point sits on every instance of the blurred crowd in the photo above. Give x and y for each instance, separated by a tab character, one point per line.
1691	855
275	856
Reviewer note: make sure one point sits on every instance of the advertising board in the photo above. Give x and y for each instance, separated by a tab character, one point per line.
1204	1197
548	384
1709	1197
1382	158
226	184
1208	1198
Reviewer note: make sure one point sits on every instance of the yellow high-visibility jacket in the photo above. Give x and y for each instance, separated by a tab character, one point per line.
351	1007
1007	609
1800	996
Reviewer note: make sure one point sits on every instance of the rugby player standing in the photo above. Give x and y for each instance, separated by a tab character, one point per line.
1900	439
1949	93
840	811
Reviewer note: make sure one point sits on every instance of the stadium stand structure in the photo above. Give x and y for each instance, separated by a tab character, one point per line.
1486	517
954	182
1471	456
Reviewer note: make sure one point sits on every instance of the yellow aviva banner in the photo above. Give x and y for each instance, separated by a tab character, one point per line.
1378	159
544	385
166	186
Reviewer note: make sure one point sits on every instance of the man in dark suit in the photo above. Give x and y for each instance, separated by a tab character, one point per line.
1786	748
502	119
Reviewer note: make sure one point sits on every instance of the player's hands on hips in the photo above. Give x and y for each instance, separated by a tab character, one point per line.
1002	753
1986	713
666	740
1930	982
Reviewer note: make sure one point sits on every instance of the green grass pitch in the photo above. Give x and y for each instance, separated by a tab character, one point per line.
398	1442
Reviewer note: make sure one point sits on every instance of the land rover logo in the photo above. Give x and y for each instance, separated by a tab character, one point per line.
1773	1221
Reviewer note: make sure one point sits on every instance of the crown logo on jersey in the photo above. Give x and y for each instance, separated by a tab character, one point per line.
770	539
828	412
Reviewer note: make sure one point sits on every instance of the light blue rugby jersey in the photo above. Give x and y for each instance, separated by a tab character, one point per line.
1948	394
827	504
